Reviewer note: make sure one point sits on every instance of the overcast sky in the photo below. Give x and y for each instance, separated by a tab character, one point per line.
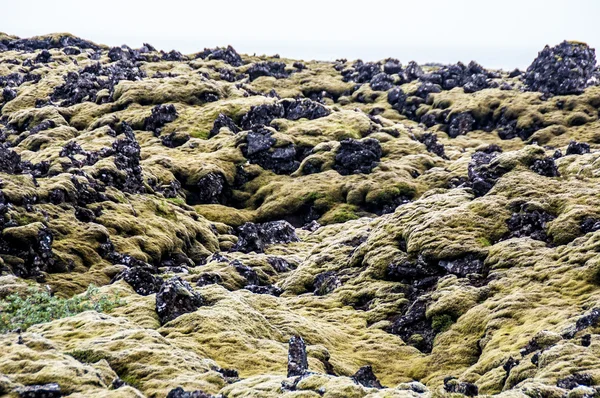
498	34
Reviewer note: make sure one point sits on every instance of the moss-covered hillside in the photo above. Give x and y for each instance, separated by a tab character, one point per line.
280	228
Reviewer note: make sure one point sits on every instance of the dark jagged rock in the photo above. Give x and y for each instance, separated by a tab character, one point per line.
578	148
175	139
297	359
472	77
209	279
71	51
453	385
10	161
46	43
256	237
161	115
590	224
173	55
431	143
515	73
357	157
260	149
181	393
462	266
586	340
175	298
325	283
414	327
270	290
249	274
397	99
84	85
460	124
273	69
381	82
304	108
8	94
483	172
564	69
127	159
392	66
228	55
33	248
588	320
210	189
575	380
262	115
141	280
529	223
545	167
224	121
51	390
365	377
43	57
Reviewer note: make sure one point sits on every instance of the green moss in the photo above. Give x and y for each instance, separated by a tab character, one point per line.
86	356
441	323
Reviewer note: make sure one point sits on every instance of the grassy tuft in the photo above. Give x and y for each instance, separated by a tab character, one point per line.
38	306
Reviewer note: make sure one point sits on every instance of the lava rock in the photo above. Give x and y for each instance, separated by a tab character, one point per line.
365	377
304	108
325	283
414	328
273	69
588	320
127	157
575	380
381	82
224	121
483	172
529	223
590	224
249	274
270	290
452	385
561	70
431	143
210	189
175	298
228	55
262	115
43	57
181	393
51	390
357	157
578	148
259	149
161	115
175	139
460	124
462	266
173	55
297	359
392	66
84	85
256	237
545	167
8	94
141	280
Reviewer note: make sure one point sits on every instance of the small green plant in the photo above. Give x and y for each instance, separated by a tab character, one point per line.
39	306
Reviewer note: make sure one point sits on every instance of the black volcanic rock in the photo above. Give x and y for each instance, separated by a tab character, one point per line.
297	359
564	69
357	157
256	237
175	298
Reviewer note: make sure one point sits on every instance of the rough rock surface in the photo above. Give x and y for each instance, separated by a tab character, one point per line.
429	230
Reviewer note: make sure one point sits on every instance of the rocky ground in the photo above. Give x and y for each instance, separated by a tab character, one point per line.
279	228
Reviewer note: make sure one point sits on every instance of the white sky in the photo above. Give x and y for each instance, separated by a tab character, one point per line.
500	33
